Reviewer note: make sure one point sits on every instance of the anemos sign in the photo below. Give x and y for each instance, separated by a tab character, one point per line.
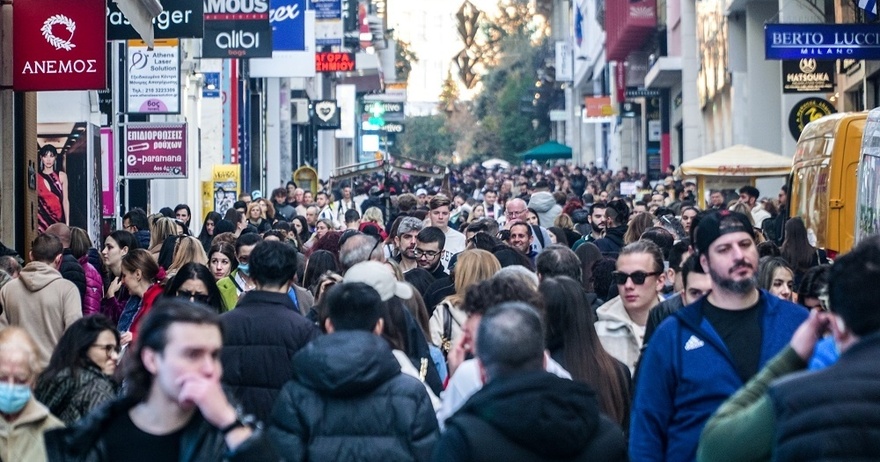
59	45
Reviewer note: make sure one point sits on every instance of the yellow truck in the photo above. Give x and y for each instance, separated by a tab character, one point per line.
824	175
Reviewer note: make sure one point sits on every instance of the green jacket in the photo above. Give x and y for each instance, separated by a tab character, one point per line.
229	291
747	416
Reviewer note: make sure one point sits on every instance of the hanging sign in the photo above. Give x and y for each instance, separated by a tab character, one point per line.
153	77
59	45
237	29
821	41
806	111
155	150
180	19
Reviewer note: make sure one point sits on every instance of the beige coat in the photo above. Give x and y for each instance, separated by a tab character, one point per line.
42	303
621	337
22	440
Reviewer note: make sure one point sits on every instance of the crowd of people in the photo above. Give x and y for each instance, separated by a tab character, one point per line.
530	313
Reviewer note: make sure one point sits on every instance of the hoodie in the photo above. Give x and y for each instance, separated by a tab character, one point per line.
349	401
545	205
531	416
41	302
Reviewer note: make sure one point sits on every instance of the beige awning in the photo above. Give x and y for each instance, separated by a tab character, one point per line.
739	160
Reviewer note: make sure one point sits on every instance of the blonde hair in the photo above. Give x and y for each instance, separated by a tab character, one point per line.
563	220
161	229
473	266
187	250
375	215
638	223
255	205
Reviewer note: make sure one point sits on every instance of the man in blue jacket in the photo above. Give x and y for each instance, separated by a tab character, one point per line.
705	352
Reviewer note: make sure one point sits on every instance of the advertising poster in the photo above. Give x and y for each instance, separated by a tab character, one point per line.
108	173
64	175
236	29
328	22
153	77
59	45
155	150
226	185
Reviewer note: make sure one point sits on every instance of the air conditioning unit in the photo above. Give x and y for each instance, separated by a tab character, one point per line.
299	111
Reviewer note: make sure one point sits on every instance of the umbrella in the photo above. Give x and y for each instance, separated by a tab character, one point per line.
739	160
548	151
494	163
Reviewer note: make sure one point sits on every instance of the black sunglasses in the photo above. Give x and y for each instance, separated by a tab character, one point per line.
194	296
638	277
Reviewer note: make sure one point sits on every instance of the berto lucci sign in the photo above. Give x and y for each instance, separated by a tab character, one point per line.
59	45
822	41
237	29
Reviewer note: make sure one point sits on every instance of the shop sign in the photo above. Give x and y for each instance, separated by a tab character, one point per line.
237	29
326	115
821	41
153	77
806	111
180	19
807	75
329	61
59	45
155	150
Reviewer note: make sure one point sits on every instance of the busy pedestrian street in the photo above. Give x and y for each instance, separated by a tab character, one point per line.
475	230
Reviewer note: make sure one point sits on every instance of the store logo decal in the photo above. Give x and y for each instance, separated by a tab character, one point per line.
325	110
58	42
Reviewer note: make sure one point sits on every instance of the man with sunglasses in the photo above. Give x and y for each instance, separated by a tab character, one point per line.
621	321
707	350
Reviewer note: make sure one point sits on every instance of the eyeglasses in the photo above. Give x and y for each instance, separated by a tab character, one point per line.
428	253
194	296
109	349
638	277
514	213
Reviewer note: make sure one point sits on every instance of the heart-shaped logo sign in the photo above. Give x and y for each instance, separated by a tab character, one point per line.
325	110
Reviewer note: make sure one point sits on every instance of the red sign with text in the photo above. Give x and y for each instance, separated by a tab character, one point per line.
334	62
59	45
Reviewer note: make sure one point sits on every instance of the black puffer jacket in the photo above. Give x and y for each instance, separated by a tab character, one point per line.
534	416
612	243
260	337
349	401
200	442
73	272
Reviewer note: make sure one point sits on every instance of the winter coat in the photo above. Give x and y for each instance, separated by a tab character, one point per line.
532	416
545	205
229	291
143	238
260	337
22	439
618	333
42	303
611	244
113	307
687	372
200	441
349	401
147	302
72	271
71	397
94	287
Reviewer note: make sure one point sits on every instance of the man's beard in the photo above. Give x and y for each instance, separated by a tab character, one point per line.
407	254
742	287
596	228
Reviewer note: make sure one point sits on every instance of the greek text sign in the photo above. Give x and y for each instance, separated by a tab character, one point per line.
59	45
821	41
153	77
155	150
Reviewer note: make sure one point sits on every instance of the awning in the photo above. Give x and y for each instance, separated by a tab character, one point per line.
548	151
739	160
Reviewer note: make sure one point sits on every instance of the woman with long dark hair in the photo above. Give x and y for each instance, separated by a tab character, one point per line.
79	375
195	282
54	202
116	246
797	250
206	235
574	344
318	263
301	226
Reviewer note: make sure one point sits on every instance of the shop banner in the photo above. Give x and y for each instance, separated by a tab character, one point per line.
288	20
328	22
808	75
155	150
181	19
237	29
108	173
59	45
153	77
821	41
